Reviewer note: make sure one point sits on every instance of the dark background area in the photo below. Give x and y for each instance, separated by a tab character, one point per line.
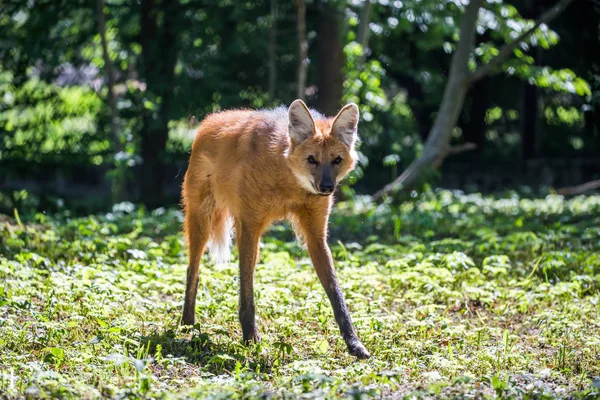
97	98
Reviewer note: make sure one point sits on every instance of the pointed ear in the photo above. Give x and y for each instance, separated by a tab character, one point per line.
301	125
345	125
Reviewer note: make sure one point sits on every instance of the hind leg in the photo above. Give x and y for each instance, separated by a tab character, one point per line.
197	236
199	207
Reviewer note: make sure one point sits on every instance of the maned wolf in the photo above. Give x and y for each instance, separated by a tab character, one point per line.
249	168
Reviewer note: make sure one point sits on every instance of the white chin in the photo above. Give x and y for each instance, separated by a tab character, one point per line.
305	183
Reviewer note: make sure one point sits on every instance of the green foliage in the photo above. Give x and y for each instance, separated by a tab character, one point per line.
455	296
563	80
222	62
423	35
44	122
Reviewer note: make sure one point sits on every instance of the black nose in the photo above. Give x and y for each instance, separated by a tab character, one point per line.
326	187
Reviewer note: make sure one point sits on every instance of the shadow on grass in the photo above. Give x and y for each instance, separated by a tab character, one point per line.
216	353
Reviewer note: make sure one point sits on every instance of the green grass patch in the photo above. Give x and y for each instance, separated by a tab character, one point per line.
454	295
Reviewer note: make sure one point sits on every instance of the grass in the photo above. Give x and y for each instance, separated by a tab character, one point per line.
454	295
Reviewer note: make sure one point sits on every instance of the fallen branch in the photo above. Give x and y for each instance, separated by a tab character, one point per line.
461	148
452	150
459	81
579	189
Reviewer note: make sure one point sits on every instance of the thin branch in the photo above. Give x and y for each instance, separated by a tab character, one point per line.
363	26
507	50
364	30
452	150
273	50
110	75
302	49
119	183
579	189
461	148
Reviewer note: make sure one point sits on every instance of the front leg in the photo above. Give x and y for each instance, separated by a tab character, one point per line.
314	230
248	236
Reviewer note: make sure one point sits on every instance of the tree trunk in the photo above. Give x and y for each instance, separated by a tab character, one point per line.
119	181
302	49
159	55
273	51
589	30
597	119
529	103
331	60
529	121
364	30
474	128
437	146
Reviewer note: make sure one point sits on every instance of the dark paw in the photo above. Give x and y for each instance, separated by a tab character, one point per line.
253	337
359	351
188	319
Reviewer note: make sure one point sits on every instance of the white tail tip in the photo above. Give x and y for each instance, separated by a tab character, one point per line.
219	245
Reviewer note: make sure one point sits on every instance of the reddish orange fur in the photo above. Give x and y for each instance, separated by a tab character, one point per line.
243	165
243	168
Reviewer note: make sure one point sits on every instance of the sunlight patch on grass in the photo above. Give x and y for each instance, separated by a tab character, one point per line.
453	295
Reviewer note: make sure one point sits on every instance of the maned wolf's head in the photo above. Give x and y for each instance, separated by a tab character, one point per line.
322	150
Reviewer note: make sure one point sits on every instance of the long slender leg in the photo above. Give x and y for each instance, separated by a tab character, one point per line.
197	231
314	228
248	236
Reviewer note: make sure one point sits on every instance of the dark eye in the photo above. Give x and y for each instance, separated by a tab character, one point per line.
311	160
337	160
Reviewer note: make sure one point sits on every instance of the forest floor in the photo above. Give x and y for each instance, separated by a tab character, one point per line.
454	295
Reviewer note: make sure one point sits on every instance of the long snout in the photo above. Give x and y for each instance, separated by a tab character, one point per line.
327	184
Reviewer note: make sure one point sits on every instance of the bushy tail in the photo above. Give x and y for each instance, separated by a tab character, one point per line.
221	237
